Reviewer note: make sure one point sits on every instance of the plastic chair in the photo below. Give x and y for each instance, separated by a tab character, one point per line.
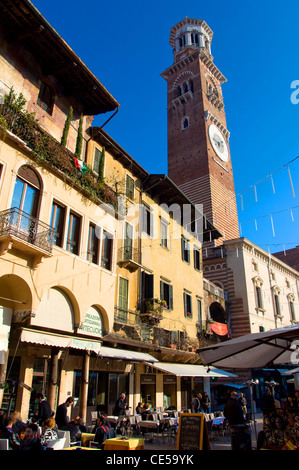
4	444
67	436
56	444
94	416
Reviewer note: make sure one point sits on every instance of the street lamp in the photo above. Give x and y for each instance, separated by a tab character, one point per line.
251	384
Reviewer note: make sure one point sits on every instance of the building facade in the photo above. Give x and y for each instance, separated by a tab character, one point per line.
101	278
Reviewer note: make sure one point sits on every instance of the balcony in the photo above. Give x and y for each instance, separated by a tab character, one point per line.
23	232
129	257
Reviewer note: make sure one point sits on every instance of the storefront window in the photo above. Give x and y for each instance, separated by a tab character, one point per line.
148	389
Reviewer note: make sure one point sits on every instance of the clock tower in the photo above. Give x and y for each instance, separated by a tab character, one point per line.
199	159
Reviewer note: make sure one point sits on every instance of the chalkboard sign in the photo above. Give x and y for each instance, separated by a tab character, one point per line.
193	432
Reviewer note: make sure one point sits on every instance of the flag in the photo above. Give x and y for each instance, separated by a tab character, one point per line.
80	165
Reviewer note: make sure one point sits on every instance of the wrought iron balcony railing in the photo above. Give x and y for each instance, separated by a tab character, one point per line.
20	225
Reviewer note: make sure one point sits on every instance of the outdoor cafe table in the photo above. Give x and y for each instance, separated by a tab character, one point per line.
118	443
85	438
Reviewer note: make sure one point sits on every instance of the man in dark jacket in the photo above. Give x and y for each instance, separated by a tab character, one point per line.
61	416
44	409
120	406
233	410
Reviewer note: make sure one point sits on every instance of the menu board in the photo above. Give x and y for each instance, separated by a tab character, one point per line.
192	432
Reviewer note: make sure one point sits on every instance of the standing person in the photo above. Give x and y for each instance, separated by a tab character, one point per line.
268	404
120	406
205	402
195	404
243	403
61	416
233	410
44	409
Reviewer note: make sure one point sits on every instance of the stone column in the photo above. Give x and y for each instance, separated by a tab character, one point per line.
84	386
53	377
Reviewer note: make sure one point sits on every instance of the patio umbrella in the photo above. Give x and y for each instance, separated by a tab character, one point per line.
255	350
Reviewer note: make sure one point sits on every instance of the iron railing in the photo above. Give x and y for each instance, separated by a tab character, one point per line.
27	228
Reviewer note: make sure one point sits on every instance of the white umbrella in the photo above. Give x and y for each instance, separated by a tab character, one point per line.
255	350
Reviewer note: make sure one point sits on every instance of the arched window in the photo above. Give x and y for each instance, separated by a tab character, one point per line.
27	191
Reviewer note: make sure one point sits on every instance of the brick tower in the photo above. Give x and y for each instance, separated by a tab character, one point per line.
198	150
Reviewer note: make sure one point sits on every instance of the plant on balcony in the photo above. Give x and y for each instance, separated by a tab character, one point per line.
48	150
78	149
153	315
66	127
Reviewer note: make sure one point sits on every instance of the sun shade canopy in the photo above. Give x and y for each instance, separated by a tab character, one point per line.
255	350
191	370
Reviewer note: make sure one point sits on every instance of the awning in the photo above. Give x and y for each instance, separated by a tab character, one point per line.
52	339
191	370
238	386
124	354
60	341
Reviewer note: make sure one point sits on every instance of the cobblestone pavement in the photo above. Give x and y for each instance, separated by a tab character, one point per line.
217	443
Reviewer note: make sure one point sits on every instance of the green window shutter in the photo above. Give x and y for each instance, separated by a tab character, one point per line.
170	306
185	304
161	290
97	160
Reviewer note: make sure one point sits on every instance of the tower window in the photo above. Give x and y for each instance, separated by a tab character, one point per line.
185	123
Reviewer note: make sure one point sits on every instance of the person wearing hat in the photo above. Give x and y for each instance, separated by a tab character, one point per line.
233	410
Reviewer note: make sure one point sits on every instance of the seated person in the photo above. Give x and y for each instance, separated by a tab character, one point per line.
8	433
48	431
102	432
74	427
31	440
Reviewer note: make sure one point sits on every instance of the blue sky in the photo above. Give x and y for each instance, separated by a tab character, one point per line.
255	46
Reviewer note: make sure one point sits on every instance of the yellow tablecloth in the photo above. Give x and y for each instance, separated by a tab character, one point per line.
117	443
86	437
80	448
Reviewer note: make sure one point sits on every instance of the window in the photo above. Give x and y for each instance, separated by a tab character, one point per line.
259	299
128	242
166	293
199	313
27	191
292	309
73	233
57	222
185	250
97	160
45	98
185	123
196	253
277	305
92	245
107	250
147	221
123	299
129	187
187	305
164	233
258	284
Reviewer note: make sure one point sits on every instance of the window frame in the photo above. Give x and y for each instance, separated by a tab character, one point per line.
74	242
107	259
53	220
188	308
41	102
166	293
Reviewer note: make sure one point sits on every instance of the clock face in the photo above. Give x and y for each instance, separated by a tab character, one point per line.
218	142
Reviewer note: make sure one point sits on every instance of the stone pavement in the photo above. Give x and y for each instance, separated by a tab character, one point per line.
217	443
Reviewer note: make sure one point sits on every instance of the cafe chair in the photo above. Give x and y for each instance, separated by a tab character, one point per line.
67	436
4	444
56	444
94	417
